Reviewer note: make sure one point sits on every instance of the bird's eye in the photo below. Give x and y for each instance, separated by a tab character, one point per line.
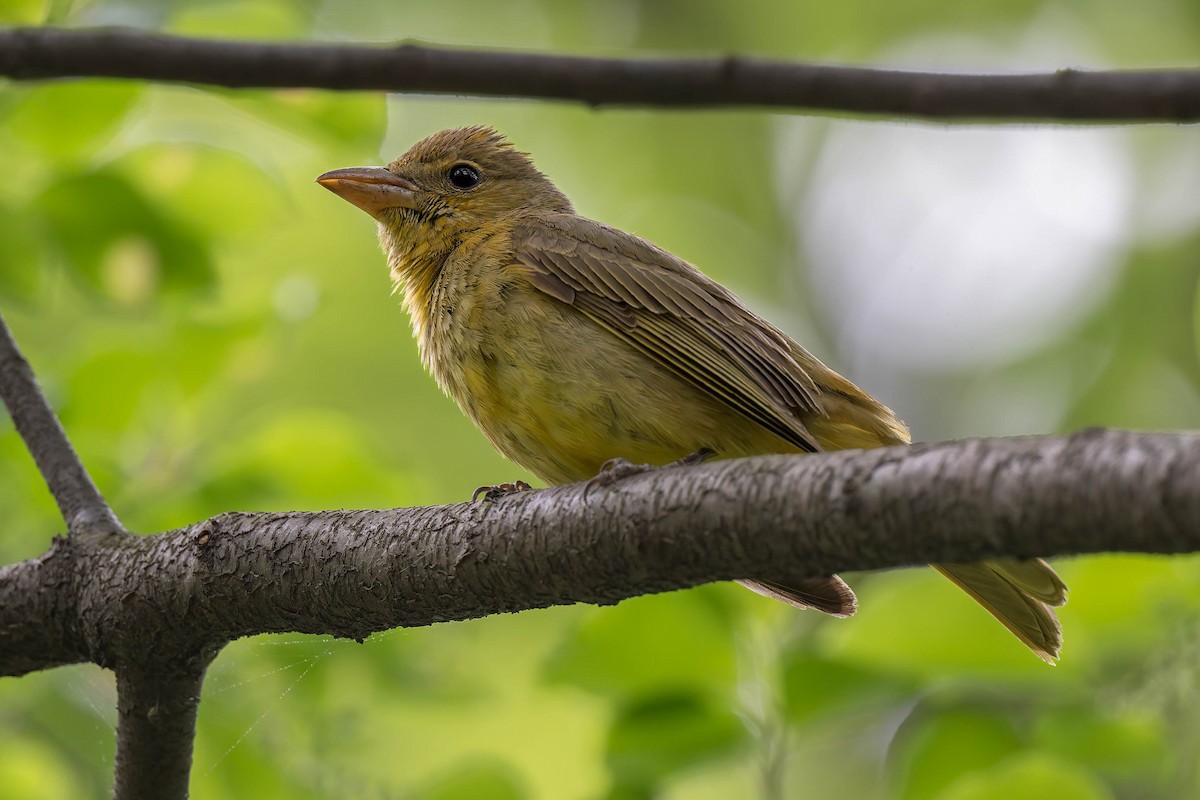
463	176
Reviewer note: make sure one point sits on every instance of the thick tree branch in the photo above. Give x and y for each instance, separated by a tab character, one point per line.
156	726
121	600
39	613
1063	96
350	573
80	502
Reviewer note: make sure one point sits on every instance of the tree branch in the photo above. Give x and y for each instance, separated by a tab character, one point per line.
119	600
1064	96
350	573
156	727
79	501
39	613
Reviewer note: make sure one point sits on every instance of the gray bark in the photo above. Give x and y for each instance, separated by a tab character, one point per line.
157	609
1064	96
119	599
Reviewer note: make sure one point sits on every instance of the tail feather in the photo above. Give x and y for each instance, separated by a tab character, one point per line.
829	594
1020	594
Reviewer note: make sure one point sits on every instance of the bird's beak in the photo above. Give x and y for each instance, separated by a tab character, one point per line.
373	189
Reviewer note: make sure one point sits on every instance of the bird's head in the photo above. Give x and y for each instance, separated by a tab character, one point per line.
445	187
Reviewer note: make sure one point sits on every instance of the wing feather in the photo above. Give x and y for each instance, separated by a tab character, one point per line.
692	326
674	314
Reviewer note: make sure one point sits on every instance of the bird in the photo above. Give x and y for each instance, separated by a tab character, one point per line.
570	343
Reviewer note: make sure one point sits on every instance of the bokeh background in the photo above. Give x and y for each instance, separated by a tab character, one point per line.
218	333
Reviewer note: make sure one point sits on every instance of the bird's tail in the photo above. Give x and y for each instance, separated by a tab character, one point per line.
1019	593
829	594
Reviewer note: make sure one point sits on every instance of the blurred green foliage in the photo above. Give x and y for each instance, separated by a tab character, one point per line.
218	333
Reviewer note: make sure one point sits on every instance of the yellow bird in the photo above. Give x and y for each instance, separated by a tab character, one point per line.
570	343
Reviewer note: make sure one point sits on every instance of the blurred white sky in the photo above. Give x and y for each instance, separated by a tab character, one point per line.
938	248
933	250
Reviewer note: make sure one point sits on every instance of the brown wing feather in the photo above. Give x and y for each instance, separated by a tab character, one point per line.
829	594
675	315
694	327
1019	594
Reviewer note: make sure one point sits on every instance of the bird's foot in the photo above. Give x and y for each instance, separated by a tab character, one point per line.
692	459
616	469
612	471
490	493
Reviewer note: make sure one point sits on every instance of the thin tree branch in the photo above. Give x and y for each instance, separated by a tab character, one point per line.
351	573
82	506
1064	96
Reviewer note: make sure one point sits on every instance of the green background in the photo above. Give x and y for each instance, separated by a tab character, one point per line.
218	333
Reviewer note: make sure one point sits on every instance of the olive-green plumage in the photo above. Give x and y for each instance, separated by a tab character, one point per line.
569	343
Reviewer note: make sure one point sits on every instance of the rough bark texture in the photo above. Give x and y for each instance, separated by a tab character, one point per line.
156	724
78	499
1066	95
350	573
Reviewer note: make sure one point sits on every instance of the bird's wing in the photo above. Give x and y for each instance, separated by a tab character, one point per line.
674	314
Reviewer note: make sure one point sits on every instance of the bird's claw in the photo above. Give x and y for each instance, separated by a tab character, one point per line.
616	469
491	493
612	471
692	459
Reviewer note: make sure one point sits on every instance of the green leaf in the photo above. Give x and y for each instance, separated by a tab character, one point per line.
1132	743
30	770
69	121
22	262
119	242
357	120
216	192
475	781
307	458
652	643
914	622
661	734
820	687
22	12
1029	775
937	751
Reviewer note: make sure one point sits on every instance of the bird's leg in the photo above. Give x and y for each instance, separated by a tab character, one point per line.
616	469
500	490
692	459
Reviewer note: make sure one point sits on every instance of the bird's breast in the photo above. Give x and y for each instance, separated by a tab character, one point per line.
560	395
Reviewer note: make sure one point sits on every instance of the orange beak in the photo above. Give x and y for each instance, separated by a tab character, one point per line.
373	189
